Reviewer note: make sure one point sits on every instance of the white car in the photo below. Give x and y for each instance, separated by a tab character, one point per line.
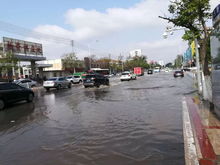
56	82
74	79
26	83
127	76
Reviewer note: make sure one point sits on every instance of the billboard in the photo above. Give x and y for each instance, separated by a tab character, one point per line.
22	47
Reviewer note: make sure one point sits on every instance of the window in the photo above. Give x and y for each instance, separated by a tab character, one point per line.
52	79
14	86
5	86
61	79
8	86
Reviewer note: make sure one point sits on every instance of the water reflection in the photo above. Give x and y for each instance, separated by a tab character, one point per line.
97	94
16	114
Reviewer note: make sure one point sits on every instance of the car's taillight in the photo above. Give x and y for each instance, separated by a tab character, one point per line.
129	75
92	78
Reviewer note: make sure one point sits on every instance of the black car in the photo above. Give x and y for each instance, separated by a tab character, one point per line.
92	80
149	71
11	93
178	73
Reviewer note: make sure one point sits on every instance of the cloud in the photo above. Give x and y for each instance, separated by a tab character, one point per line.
164	49
86	24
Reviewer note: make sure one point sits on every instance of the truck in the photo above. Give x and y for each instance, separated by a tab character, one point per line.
139	71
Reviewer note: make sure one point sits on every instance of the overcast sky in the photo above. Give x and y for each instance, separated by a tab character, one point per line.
105	26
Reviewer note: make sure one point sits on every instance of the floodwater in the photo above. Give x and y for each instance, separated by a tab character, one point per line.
129	123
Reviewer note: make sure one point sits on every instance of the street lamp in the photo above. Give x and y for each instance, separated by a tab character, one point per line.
90	56
170	30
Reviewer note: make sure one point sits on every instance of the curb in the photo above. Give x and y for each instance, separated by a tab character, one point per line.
191	157
205	152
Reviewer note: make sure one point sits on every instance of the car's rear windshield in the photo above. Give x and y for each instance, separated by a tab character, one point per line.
76	76
90	76
69	77
178	71
125	73
52	79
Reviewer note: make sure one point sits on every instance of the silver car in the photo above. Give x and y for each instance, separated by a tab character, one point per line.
26	83
56	82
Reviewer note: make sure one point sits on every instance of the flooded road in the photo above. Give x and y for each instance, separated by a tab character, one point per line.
129	123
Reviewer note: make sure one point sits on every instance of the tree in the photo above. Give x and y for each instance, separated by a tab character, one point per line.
7	62
71	62
136	61
193	15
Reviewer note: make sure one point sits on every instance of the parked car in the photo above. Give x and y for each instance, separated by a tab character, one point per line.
11	93
74	79
56	82
178	73
26	83
127	76
92	80
149	71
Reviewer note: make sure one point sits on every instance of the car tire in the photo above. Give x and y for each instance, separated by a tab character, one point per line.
30	97
70	85
72	82
58	87
47	89
2	104
85	86
80	81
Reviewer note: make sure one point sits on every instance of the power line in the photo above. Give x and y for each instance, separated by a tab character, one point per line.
24	32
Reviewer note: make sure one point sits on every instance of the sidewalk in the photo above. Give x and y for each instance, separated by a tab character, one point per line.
205	128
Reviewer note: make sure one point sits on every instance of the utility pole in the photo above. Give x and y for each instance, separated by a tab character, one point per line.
109	56
122	65
90	60
72	44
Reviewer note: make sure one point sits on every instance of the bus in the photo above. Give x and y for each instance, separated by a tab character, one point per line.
104	72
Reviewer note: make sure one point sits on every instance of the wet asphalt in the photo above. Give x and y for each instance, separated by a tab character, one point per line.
128	123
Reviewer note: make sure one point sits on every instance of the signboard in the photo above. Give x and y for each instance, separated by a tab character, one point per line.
216	15
22	47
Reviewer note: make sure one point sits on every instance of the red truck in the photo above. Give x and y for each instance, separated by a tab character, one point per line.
139	71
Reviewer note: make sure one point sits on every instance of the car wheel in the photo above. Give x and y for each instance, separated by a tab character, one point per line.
97	85
47	89
80	81
69	86
86	86
30	97
2	104
58	87
72	82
